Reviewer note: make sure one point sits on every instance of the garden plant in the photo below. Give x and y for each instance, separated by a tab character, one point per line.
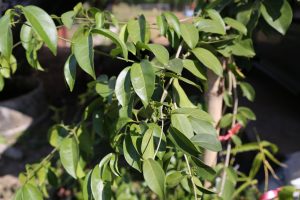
167	116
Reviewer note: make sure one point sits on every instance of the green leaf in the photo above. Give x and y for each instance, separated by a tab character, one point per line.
1	82
207	141
226	120
209	60
69	155
101	190
242	48
87	190
6	37
115	38
105	87
43	25
155	177
174	178
70	71
216	17
139	30
131	154
236	25
143	80
256	165
202	127
182	123
28	191
56	135
287	193
248	91
278	14
253	146
67	18
148	148
182	142
180	96
100	19
160	52
173	22
83	51
209	26
196	113
123	87
175	65
189	34
195	69
246	112
162	24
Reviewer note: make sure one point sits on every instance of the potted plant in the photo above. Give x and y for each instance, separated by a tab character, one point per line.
163	143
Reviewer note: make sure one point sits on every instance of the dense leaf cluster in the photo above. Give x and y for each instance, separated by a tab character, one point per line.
145	113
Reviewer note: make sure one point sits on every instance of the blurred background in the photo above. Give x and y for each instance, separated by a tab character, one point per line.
44	99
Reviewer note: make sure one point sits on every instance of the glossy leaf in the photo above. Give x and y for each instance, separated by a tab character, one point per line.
173	22
189	34
246	112
56	135
175	65
248	91
236	25
160	52
67	18
155	177
131	154
100	189
83	51
143	80
209	60
113	37
174	178
195	69
69	155
139	30
28	191
70	71
123	87
6	37
180	96
162	24
182	142
196	113
87	190
207	141
216	17
209	26
182	123
148	148
43	25
278	14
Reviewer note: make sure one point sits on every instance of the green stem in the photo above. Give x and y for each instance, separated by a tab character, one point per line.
190	173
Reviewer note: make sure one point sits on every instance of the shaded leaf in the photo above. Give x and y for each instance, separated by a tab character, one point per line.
248	91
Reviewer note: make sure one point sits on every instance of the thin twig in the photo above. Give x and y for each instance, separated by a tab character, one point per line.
190	173
108	55
233	84
162	99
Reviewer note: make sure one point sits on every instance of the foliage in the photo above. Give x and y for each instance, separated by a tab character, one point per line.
144	113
